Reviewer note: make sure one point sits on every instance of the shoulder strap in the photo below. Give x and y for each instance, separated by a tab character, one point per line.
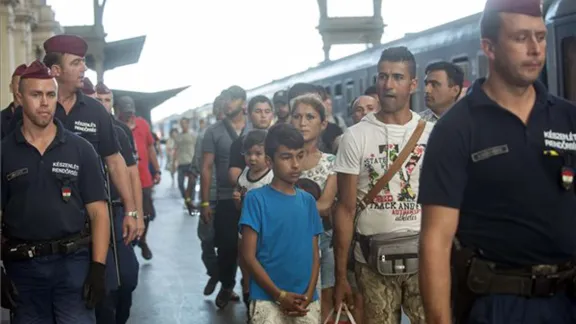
393	169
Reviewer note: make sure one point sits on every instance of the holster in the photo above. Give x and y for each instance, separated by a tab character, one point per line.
15	250
462	297
474	276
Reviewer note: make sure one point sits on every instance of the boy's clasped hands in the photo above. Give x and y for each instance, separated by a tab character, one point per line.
293	304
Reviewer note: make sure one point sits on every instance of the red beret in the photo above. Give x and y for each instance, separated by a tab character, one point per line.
37	70
523	7
19	70
88	87
101	88
70	44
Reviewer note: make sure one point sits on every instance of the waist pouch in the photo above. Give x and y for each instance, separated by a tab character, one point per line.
391	253
485	277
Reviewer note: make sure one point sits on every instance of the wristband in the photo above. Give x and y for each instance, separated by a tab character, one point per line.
205	204
281	297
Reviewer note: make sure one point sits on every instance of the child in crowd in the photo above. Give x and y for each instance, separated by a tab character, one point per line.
280	226
256	174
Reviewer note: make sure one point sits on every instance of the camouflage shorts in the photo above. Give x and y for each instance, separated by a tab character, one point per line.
386	296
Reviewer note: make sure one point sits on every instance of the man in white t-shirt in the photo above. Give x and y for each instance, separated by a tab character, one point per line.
366	151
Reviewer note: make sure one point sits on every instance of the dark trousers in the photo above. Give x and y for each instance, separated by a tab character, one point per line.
507	309
206	236
50	289
226	239
115	308
183	171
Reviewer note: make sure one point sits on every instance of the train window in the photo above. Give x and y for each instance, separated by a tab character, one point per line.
569	60
349	90
374	79
338	90
464	64
361	85
328	90
482	66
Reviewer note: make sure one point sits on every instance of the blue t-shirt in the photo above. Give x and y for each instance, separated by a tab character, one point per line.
286	226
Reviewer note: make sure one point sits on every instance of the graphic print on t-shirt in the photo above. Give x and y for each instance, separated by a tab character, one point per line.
402	201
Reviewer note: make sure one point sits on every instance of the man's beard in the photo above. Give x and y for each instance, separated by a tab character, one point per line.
39	122
234	113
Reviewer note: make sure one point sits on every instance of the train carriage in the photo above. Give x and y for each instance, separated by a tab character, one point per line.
457	41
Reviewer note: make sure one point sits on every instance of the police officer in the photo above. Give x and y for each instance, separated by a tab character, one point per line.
52	189
126	112
88	88
8	112
86	117
116	306
498	176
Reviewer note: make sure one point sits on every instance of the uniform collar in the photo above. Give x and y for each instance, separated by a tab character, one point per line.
8	112
80	101
477	97
59	138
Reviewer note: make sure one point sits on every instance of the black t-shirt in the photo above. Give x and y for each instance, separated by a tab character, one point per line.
236	157
127	153
6	117
87	118
43	196
484	161
329	135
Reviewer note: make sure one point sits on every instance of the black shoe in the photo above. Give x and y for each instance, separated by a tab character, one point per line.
210	286
246	299
146	252
223	298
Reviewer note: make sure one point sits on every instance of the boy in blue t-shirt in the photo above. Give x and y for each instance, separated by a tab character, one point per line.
280	226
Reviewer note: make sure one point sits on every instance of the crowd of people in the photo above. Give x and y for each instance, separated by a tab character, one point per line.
461	213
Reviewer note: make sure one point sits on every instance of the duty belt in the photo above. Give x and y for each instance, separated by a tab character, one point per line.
487	277
15	251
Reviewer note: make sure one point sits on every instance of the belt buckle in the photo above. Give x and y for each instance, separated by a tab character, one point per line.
544	286
66	247
31	252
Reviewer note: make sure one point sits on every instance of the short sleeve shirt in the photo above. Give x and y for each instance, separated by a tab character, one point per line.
217	140
368	149
87	118
127	153
43	196
286	226
503	177
143	138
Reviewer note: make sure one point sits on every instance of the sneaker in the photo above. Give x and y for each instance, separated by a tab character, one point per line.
146	252
210	286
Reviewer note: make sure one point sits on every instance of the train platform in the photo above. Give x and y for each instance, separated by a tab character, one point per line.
171	284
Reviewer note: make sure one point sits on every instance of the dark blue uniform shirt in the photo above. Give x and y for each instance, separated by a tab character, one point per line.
33	186
127	153
484	161
5	119
128	133
87	118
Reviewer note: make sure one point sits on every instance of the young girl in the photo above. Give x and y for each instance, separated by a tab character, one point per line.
309	117
256	174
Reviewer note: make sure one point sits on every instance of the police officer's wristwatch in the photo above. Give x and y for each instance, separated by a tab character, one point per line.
133	214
